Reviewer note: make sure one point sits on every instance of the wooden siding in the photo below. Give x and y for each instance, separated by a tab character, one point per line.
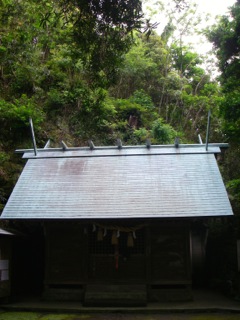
162	264
170	254
5	266
65	254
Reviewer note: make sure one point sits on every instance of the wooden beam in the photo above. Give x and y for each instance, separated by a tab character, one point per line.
165	146
148	143
119	143
176	142
33	137
200	139
91	144
64	146
47	145
208	129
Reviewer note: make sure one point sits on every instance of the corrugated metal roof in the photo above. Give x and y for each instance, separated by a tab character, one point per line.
149	186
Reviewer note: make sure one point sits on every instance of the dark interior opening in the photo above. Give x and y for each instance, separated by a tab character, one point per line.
28	263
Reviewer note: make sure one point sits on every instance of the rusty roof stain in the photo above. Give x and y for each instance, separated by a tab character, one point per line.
119	183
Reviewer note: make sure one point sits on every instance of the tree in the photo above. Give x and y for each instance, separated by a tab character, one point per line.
225	37
181	90
56	59
103	32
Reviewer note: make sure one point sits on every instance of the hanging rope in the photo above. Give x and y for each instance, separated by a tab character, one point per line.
119	228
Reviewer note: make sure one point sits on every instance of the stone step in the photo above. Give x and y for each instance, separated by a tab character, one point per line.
115	295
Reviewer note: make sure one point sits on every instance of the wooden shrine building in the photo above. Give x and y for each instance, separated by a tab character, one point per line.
119	222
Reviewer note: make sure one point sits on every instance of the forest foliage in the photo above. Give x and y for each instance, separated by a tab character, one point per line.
98	70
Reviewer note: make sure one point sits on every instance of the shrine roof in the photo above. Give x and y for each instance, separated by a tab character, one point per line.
170	181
